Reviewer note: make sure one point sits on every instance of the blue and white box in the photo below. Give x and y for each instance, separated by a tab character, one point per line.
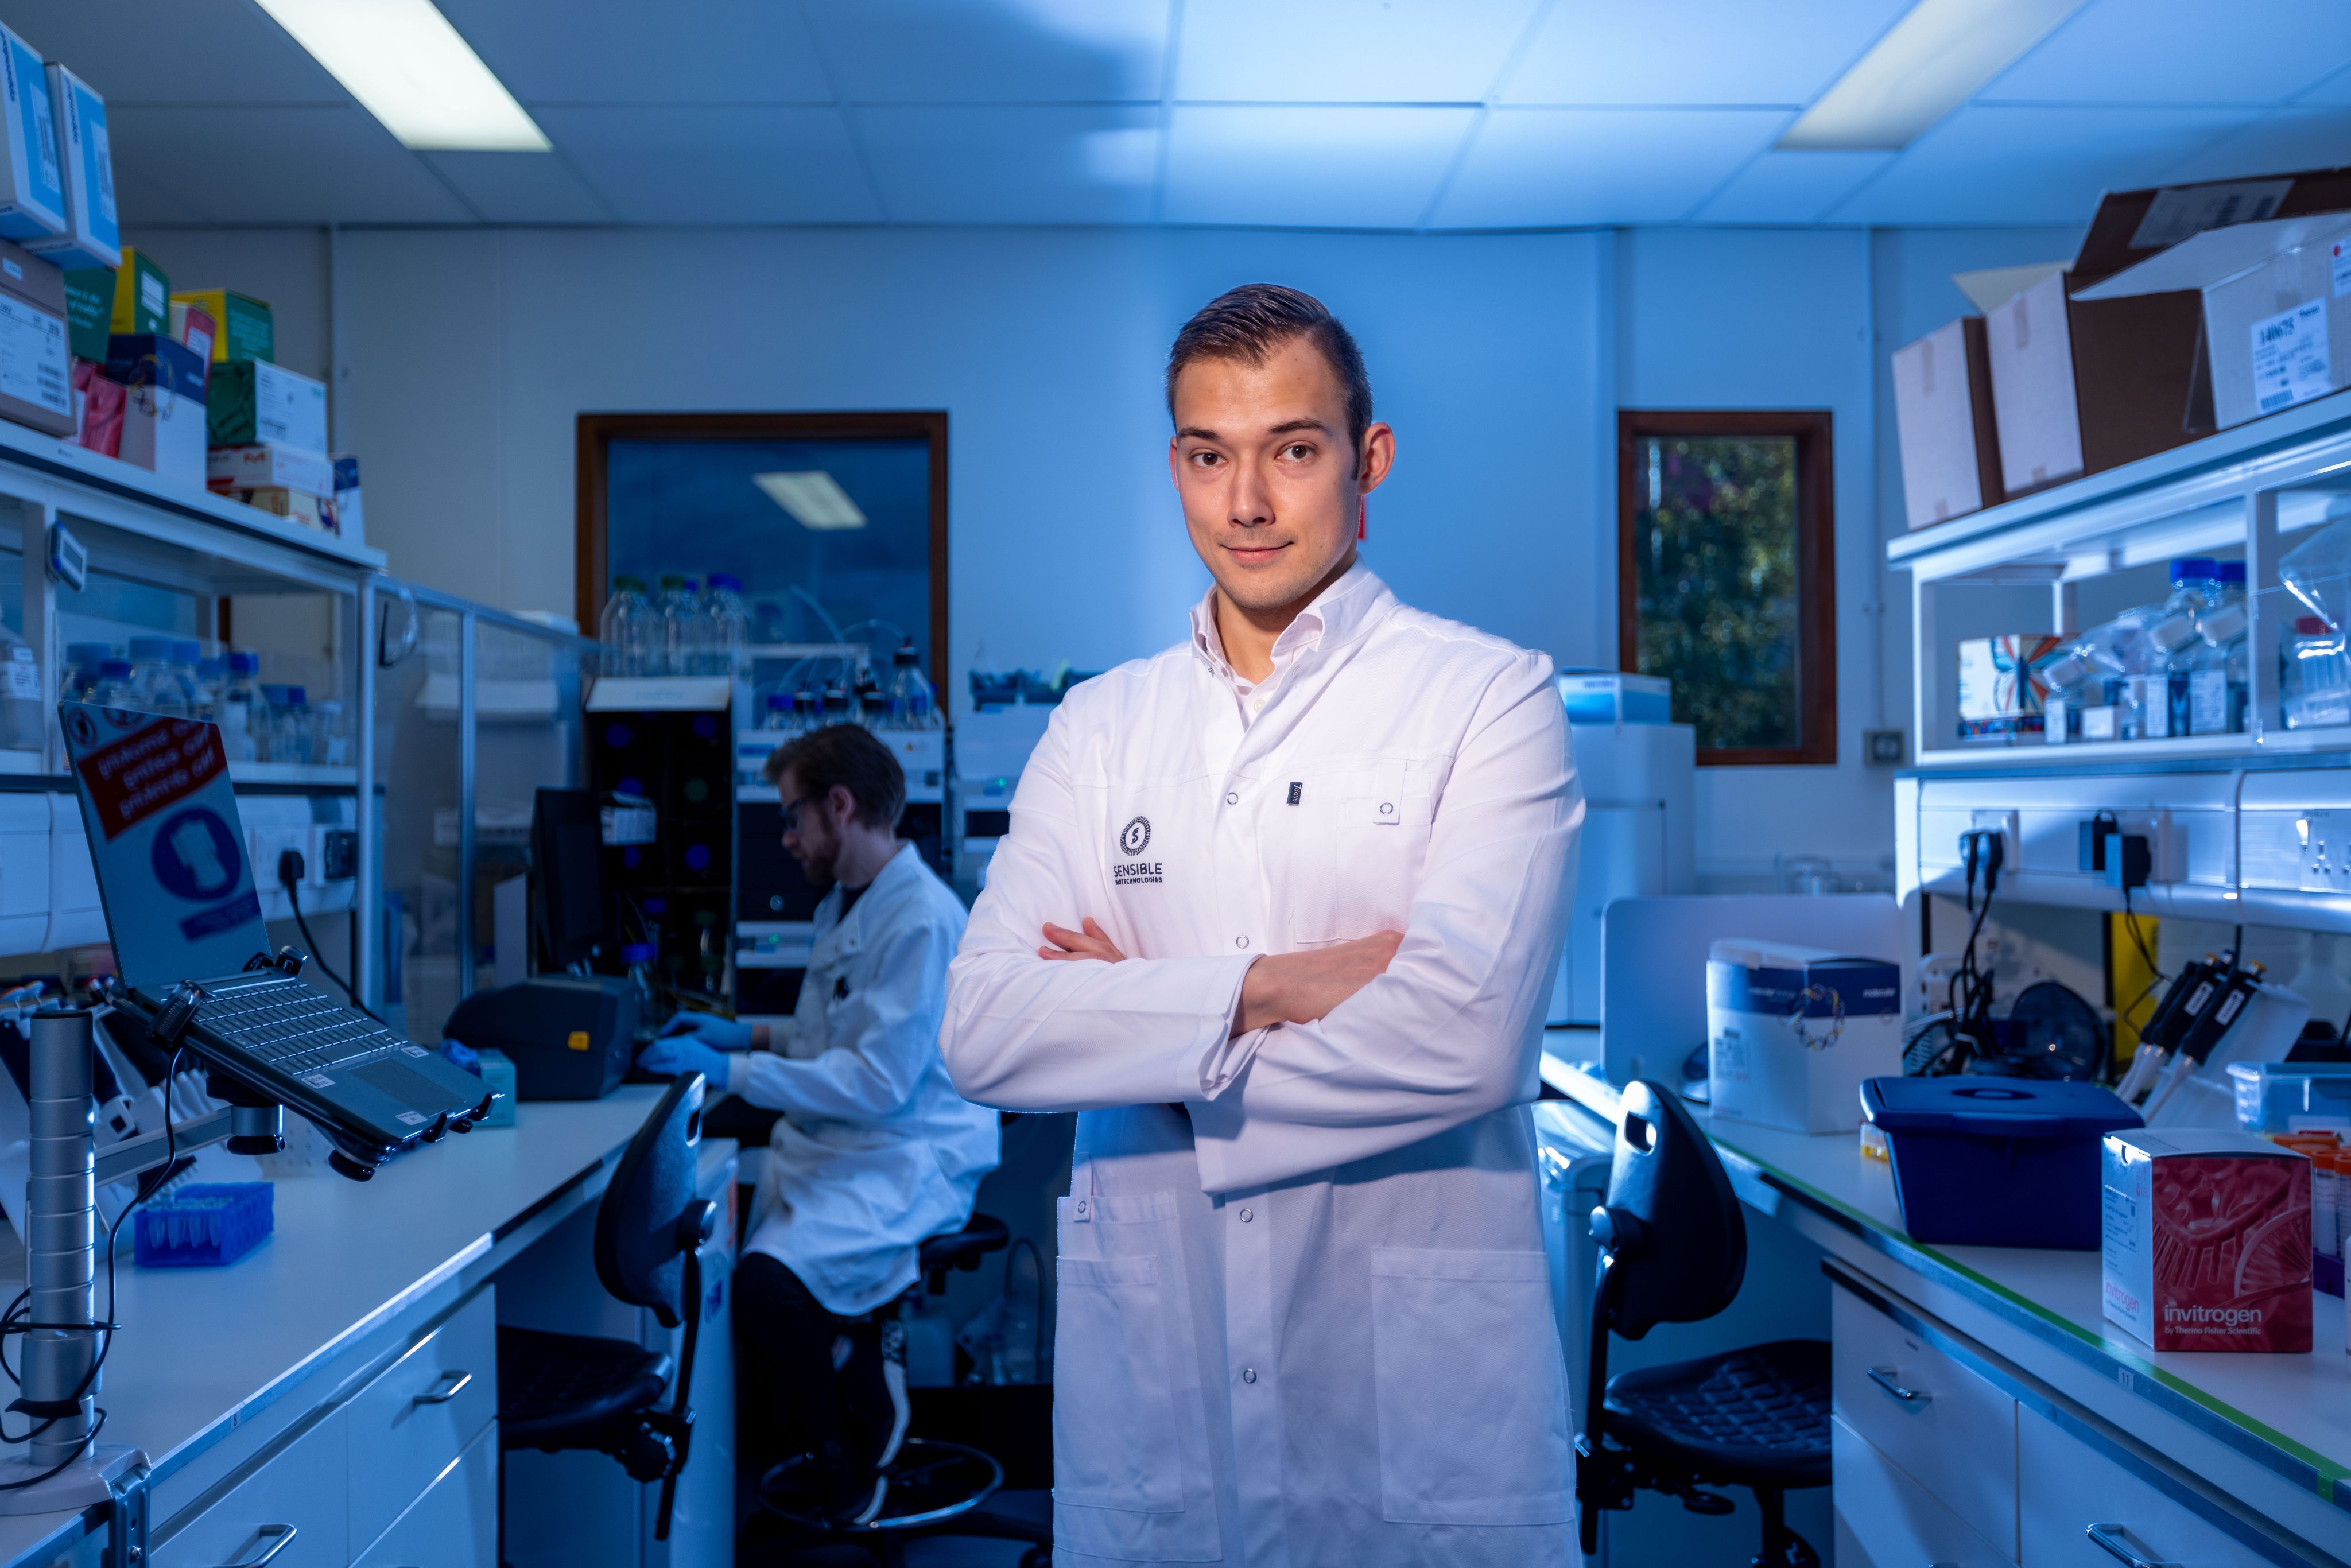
32	176
1612	696
1793	1033
92	237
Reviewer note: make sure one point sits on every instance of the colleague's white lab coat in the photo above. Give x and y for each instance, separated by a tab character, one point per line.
874	1151
1304	1315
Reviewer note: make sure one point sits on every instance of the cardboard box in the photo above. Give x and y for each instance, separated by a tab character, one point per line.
90	312
91	237
163	430
2275	307
1943	411
151	359
254	401
97	409
268	467
310	511
248	329
2206	1240
143	296
1793	1032
350	520
194	325
36	370
2003	686
32	178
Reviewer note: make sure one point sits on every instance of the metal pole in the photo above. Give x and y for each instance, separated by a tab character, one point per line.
466	665
61	1244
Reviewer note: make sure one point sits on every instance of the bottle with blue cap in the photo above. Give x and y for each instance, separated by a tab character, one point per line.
186	653
112	687
238	708
82	660
154	685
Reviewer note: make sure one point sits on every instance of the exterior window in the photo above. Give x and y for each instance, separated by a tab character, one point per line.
1726	583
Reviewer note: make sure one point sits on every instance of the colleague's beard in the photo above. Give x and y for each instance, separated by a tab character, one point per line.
822	869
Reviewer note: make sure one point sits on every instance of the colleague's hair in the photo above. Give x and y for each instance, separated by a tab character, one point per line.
1249	323
846	754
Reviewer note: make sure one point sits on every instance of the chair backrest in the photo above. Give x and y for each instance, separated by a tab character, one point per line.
1686	1253
640	1248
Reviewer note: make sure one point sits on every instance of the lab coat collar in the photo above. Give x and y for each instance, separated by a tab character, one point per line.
845	932
1337	617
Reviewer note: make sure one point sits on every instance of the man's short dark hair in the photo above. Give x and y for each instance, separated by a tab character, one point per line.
846	754
1249	323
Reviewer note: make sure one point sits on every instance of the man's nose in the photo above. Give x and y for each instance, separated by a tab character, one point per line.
1250	504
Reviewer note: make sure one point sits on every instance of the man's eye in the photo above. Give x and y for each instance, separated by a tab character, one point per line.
1297	450
1205	459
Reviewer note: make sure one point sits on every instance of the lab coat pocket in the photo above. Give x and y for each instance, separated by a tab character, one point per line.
1470	1388
1361	842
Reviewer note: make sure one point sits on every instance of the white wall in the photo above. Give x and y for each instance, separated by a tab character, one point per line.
465	356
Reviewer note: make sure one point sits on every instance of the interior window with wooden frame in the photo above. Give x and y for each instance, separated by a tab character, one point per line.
1726	576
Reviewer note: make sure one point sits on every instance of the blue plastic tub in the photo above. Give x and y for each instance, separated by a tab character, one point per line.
1996	1162
2272	1096
203	1225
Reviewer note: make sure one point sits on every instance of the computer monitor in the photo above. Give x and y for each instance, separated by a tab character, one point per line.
566	862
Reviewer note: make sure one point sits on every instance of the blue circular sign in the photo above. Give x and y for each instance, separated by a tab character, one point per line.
196	855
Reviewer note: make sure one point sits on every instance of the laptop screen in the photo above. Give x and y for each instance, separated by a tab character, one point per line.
166	843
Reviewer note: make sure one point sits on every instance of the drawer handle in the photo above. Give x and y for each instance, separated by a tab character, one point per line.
271	1539
1883	1377
2117	1544
448	1387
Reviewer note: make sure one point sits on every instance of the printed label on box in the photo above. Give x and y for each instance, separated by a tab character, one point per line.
2183	212
102	156
45	127
2290	357
21	676
33	364
2341	268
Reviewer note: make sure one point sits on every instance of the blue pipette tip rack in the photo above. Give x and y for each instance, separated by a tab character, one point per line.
203	1225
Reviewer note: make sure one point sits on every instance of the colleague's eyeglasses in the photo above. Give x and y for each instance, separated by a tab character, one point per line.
792	812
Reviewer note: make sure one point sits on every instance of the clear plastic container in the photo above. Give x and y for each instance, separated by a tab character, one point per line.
2218	691
22	725
238	711
330	738
186	654
626	629
836	709
2314	675
679	627
726	623
2094	679
209	672
912	704
112	687
2195	588
780	714
276	738
154	685
297	740
82	660
2318	572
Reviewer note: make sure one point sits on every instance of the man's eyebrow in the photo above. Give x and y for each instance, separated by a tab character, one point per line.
1298	425
1198	433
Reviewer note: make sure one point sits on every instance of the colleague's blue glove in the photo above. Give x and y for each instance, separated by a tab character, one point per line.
717	1033
673	1054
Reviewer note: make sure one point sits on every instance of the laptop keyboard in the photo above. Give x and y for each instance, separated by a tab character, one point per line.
293	1027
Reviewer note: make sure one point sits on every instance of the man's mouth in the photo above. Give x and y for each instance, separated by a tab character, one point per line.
1254	555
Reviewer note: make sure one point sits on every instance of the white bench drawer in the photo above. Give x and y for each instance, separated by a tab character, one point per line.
1886	1519
430	1403
455	1524
293	1504
1953	1431
2067	1487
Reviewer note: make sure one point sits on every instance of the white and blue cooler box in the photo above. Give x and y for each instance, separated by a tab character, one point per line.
1792	1033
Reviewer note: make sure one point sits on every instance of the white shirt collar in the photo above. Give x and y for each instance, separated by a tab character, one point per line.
1333	618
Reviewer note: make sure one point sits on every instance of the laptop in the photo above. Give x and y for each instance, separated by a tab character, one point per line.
183	912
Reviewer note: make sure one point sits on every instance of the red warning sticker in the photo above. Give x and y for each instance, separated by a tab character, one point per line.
154	767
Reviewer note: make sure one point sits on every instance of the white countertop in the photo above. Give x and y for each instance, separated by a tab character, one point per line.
203	1351
2294	1412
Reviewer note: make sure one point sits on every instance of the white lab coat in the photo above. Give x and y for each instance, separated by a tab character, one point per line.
1304	1315
874	1151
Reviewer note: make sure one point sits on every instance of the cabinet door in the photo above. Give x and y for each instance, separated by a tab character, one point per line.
1953	1431
455	1524
2069	1488
420	1413
289	1513
1886	1519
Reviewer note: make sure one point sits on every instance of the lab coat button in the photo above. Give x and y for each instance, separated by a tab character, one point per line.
1249	1375
1240	941
1081	1206
1232	797
1246	1217
1387	808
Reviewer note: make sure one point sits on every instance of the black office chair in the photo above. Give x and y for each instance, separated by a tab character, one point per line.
561	1391
1673	1250
936	1489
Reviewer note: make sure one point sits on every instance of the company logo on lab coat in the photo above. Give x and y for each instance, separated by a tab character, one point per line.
1134	838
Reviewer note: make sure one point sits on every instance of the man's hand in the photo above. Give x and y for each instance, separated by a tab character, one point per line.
1092	942
1301	987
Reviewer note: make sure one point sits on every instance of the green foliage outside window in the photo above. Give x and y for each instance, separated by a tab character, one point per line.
1714	531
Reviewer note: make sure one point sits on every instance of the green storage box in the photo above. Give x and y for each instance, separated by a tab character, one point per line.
247	330
252	402
90	312
143	296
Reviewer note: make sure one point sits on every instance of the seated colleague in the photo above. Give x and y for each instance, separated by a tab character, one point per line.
874	1150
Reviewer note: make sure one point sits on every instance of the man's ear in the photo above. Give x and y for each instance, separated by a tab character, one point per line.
842	803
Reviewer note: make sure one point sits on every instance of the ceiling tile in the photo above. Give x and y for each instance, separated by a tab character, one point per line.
1309	168
303	164
2179	52
1013	163
731	164
1549	168
521	187
1995	165
2279	142
1342	51
952	51
181	51
1694	51
619	51
1791	187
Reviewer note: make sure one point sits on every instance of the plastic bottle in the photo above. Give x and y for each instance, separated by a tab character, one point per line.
298	741
236	710
637	957
271	737
2090	683
154	685
2217	689
779	712
808	711
2163	707
112	687
210	671
836	707
912	704
678	627
82	660
186	653
2314	675
726	623
22	725
625	627
330	742
868	704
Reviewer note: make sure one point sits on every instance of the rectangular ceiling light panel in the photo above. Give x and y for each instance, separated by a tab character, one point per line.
1927	64
403	61
814	499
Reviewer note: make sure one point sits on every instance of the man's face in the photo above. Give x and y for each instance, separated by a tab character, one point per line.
1268	476
809	838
